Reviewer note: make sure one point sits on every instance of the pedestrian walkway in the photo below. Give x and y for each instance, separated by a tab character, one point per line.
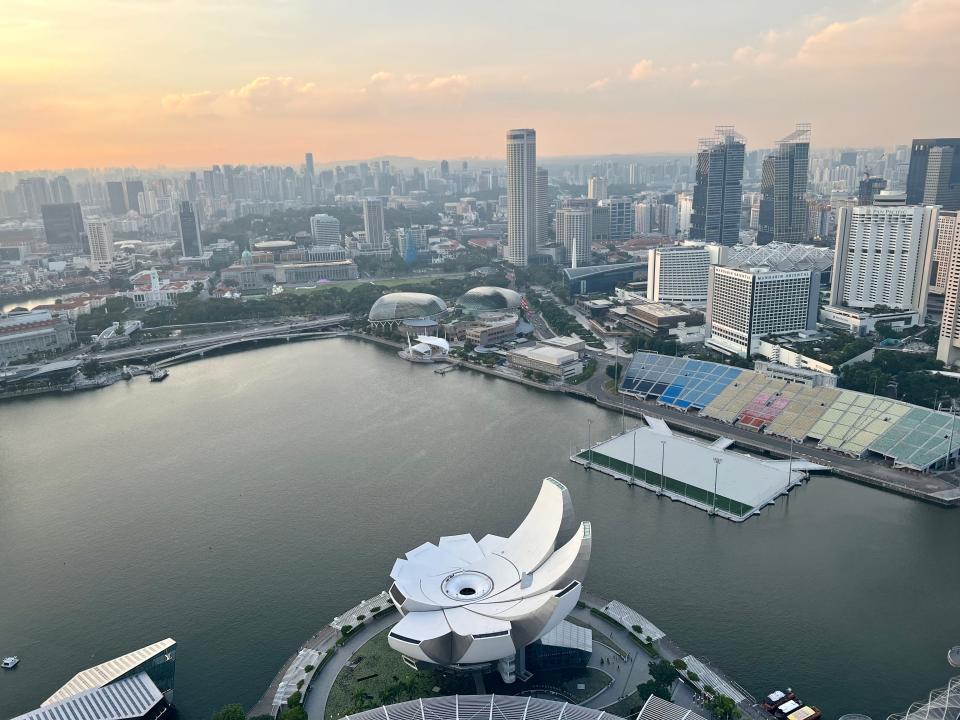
630	618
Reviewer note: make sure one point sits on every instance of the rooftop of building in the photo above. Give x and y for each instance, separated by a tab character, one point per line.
547	354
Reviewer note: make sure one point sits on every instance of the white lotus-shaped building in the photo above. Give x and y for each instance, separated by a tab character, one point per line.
466	603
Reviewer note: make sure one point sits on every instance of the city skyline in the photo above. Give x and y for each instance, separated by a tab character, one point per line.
113	91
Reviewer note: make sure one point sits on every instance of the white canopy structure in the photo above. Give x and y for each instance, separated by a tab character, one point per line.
466	603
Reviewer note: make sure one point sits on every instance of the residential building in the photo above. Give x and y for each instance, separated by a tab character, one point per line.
63	227
325	229
100	240
933	176
543	208
553	361
948	349
718	193
748	304
621	218
33	331
597	188
374	225
883	257
948	233
191	244
783	187
575	233
678	274
521	195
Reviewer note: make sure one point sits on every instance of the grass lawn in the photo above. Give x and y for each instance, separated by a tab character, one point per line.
380	677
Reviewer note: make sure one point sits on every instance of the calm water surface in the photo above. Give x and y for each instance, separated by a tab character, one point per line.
251	497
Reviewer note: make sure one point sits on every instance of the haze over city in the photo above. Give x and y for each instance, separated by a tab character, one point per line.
185	83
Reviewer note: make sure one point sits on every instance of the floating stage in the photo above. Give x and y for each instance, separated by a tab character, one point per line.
708	476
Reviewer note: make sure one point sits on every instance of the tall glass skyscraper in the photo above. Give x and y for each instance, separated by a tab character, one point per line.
783	184
718	194
934	174
521	195
190	242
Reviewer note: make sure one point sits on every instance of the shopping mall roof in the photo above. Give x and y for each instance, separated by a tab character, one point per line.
482	707
780	256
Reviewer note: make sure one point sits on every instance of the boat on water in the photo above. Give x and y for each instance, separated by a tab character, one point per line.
785	706
159	375
429	349
10	662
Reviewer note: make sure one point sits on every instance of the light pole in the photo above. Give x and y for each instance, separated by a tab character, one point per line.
790	466
633	465
589	443
663	454
716	472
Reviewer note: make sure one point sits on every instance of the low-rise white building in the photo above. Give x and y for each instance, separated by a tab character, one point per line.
25	332
553	361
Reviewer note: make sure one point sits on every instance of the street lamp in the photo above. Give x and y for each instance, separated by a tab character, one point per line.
790	466
716	472
663	454
589	443
633	465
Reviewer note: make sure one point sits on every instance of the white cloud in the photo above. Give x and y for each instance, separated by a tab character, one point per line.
642	70
599	84
751	56
444	83
381	77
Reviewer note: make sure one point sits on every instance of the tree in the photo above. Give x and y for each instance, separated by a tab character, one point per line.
294	713
724	708
652	687
295	699
663	672
680	665
90	367
230	712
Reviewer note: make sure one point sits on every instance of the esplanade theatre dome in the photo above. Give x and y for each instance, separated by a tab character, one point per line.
487	299
394	307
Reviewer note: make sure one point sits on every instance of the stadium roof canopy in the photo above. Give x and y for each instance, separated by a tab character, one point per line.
483	707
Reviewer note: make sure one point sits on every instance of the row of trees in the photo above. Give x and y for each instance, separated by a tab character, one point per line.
900	375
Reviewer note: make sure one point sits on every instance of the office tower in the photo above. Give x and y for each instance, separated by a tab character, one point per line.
643	218
746	304
718	192
414	237
325	229
948	238
100	239
308	178
61	191
444	168
575	233
134	189
600	221
621	218
948	230
116	197
684	212
929	178
33	193
63	227
783	187
869	188
679	273
543	207
190	243
373	222
883	257
597	188
521	195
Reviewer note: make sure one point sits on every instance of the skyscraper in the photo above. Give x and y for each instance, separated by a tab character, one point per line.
116	197
308	178
869	188
190	243
575	233
783	184
948	349
134	191
929	179
621	218
883	257
597	188
521	195
63	227
543	206
374	225
100	237
61	190
325	229
718	192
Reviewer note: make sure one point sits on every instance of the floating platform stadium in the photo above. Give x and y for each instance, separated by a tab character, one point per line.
708	476
854	423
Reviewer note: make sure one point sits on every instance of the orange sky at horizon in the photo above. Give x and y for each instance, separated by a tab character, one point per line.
116	83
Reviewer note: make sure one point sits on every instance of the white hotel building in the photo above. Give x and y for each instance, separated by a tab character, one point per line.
678	274
883	257
747	304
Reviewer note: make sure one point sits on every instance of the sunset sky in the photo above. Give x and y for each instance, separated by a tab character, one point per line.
180	83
